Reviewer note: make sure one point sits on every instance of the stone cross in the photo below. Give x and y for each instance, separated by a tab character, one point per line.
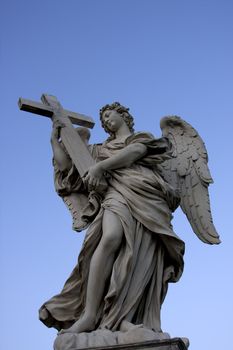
73	143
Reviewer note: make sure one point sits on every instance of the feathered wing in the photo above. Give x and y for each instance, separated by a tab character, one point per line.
188	171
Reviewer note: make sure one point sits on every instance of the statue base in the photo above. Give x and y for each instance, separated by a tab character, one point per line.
172	344
134	339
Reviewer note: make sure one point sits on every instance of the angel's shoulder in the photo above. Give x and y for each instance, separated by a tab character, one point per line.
139	136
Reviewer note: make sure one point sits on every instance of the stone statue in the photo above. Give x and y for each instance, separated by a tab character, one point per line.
125	200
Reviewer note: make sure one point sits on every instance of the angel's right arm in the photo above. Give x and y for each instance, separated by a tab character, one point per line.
62	160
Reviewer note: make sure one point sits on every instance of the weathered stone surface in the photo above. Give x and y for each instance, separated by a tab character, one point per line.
171	344
135	339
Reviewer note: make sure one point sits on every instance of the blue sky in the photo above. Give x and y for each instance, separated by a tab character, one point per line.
158	57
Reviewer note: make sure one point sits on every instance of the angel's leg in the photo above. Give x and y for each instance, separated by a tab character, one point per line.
100	269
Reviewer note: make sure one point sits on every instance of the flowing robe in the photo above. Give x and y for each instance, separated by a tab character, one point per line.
150	255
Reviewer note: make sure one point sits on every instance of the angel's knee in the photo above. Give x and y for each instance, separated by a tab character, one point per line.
112	232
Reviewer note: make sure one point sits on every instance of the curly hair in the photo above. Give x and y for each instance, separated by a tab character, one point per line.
123	111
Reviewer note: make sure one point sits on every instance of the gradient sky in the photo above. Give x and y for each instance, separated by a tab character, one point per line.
158	57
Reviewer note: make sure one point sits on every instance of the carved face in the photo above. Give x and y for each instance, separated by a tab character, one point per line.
112	119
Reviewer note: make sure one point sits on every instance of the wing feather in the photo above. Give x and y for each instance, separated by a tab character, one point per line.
188	171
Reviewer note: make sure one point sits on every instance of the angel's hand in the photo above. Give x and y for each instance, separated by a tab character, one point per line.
93	177
56	132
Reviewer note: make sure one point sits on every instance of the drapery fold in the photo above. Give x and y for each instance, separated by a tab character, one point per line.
150	256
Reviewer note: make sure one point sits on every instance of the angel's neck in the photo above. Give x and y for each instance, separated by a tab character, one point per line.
122	133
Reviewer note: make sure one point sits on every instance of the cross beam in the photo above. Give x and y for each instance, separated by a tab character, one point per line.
73	143
47	111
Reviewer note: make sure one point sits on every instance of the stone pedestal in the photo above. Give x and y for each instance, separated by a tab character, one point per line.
135	339
166	344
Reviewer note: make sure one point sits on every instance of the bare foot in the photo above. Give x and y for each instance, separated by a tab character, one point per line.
84	324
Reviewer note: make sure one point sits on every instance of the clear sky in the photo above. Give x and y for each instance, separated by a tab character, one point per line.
158	57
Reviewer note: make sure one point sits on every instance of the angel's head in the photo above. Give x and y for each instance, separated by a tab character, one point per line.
120	113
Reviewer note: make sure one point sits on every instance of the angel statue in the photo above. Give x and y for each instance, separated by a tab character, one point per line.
126	199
